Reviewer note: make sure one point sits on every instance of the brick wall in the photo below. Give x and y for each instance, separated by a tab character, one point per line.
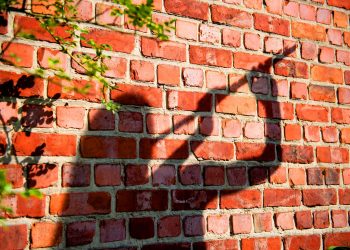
232	135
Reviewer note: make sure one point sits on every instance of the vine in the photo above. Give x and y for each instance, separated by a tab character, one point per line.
64	14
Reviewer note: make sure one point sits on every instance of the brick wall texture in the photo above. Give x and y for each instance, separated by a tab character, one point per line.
234	134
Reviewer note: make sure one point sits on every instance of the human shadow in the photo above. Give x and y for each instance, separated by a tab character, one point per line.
144	182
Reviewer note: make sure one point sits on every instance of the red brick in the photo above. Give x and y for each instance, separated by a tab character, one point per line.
46	234
295	154
70	117
190	101
101	119
30	26
241	223
308	31
194	199
339	218
75	175
253	4
319	197
107	147
340	19
80	233
194	225
257	175
231	37
273	45
3	25
209	34
337	239
39	116
14	174
303	219
80	203
192	77
335	37
312	133
68	89
9	114
163	49
104	15
346	176
130	122
254	130
142	71
216	244
214	176
285	67
292	132
238	83
326	55
120	42
116	67
136	175
190	174
324	16
112	230
236	105
277	110
347	38
13	237
184	124
236	176
315	176
141	200
45	54
273	131
107	175
308	51
332	155
231	199
261	243
274	7
163	175
297	176
271	24
169	226
20	55
291	9
218	224
210	56
277	175
224	15
343	57
3	144
260	85
284	221
340	115
332	176
282	197
212	150
209	125
312	242
344	96
322	93
344	196
163	148
37	144
42	175
158	123
255	151
186	30
327	74
298	90
188	8
321	219
307	12
168	75
32	207
252	41
252	62
165	246
312	113
141	228
262	222
215	80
